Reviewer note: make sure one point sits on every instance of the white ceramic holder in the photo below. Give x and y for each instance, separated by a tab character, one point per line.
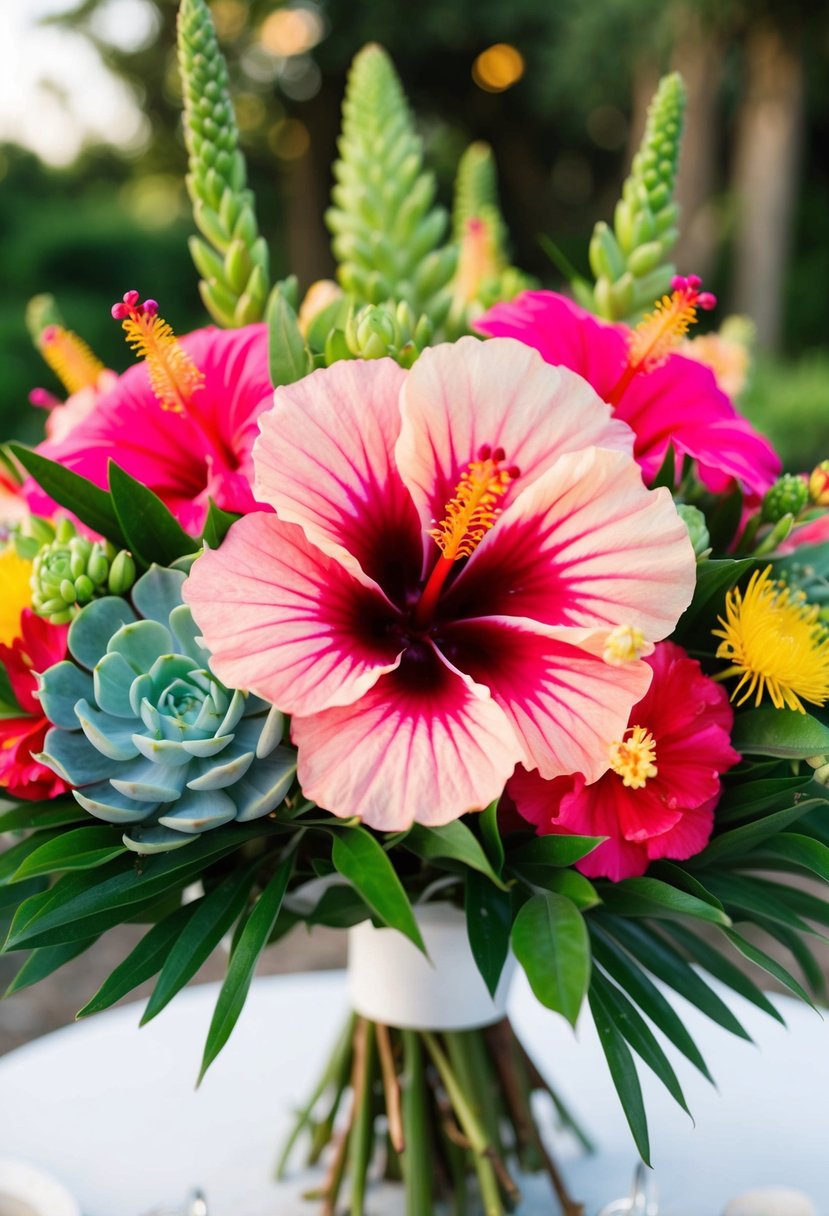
390	981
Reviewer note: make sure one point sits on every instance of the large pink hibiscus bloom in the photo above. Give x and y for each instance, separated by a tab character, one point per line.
452	551
658	797
186	457
676	402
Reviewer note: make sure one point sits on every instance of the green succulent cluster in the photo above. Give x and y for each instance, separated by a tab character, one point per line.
628	260
70	571
233	260
145	732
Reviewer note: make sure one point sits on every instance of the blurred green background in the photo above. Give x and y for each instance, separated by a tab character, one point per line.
104	211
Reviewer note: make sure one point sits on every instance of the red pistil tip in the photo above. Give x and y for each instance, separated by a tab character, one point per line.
131	299
484	451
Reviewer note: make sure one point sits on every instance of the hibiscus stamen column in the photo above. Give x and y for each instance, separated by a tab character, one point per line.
174	377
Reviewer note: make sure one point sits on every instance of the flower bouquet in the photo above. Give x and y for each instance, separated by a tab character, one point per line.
466	616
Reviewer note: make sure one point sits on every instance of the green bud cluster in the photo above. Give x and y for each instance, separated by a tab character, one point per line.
694	521
379	330
233	260
788	496
70	571
629	260
386	230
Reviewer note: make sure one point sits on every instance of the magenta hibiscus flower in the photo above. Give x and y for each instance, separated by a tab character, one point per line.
456	553
40	645
657	799
183	422
667	399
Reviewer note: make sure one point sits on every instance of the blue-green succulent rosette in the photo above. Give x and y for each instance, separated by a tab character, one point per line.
145	732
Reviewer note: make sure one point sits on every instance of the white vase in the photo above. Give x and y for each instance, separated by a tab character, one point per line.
391	981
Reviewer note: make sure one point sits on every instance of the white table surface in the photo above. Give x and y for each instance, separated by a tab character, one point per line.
113	1113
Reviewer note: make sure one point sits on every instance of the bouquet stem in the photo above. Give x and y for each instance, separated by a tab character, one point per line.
443	1111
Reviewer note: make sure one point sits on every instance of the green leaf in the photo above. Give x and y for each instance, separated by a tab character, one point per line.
44	962
575	886
714	580
217	525
142	962
708	956
214	914
759	957
454	842
650	897
252	941
92	505
803	956
668	965
490	832
9	707
551	943
150	530
750	799
630	976
488	925
757	897
623	1072
779	732
554	850
674	874
742	840
12	858
287	352
639	1035
41	815
81	849
359	857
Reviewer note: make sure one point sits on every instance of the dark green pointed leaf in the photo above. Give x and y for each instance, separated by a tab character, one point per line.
9	707
287	352
676	876
41	815
359	857
750	799
668	965
488	925
714	580
574	885
630	976
715	963
796	852
217	525
80	849
759	957
740	841
454	842
491	836
639	1035
213	917
779	732
666	476
252	940
623	1071
151	531
141	964
92	505
756	897
804	957
13	858
640	897
43	962
551	943
554	850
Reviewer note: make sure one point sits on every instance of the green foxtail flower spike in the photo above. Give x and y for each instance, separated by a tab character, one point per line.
629	260
233	259
71	571
386	229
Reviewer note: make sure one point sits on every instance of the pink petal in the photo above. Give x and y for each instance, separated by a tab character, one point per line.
688	837
424	745
325	461
286	621
460	397
585	545
565	704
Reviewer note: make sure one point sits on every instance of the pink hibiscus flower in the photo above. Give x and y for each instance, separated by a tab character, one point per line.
40	646
422	660
187	454
677	401
658	797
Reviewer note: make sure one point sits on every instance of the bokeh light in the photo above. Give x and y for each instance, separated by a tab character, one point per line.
498	68
291	31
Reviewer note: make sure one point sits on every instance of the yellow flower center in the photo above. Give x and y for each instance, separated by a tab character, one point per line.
774	640
15	593
624	644
70	358
633	757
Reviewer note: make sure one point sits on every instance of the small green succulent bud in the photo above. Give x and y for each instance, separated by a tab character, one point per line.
380	330
70	570
788	496
371	332
694	521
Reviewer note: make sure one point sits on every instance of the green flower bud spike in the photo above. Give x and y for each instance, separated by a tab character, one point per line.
629	260
71	571
483	275
788	496
233	260
386	229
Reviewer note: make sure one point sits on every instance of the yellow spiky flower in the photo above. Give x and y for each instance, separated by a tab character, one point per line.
15	592
775	642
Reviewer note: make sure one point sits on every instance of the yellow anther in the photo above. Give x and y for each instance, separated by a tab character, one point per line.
624	644
473	509
634	757
174	377
70	358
